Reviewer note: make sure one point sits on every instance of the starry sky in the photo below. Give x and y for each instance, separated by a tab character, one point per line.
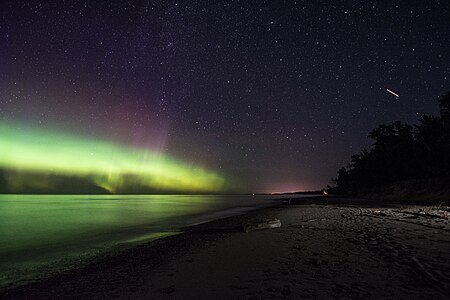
276	95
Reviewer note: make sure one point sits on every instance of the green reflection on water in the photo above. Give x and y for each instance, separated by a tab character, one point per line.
38	230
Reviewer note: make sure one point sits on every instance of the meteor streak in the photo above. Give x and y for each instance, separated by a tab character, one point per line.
396	95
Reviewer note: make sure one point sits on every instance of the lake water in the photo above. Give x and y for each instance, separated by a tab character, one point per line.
45	233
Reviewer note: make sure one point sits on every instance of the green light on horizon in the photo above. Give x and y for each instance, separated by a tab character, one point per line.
107	165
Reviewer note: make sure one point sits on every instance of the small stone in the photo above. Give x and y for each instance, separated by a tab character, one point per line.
267	224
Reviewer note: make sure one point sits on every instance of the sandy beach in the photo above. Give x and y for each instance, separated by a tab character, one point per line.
335	248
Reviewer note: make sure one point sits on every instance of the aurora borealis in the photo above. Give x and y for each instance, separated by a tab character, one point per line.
273	95
28	154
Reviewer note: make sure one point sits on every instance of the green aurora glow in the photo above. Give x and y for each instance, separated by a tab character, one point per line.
109	166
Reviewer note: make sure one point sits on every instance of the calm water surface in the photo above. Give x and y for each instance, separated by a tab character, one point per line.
44	233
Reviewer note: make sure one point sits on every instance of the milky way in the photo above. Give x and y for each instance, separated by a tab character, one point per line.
276	95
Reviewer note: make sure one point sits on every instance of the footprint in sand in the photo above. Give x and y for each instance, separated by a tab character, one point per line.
167	290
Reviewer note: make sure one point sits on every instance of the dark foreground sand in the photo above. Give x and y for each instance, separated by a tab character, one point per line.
344	249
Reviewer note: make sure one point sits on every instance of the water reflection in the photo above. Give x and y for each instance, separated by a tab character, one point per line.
37	230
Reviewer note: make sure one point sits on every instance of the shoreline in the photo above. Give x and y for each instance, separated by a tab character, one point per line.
174	243
59	233
286	262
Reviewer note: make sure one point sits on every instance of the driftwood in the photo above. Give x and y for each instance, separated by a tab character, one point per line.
266	224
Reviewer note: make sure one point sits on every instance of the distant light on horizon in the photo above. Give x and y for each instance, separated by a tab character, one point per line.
286	188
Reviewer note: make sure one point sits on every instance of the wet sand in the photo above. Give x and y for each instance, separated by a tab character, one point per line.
338	248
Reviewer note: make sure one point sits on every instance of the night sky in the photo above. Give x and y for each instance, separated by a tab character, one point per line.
275	95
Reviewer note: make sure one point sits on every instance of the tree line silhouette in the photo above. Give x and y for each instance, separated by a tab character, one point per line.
400	152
